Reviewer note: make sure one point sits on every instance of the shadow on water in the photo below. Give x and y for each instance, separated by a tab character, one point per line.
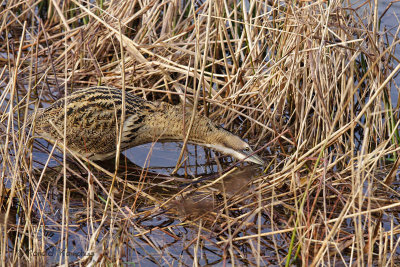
162	222
196	196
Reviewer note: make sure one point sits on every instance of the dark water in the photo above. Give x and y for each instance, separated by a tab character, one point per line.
390	22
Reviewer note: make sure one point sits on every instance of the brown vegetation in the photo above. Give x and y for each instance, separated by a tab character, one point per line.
311	84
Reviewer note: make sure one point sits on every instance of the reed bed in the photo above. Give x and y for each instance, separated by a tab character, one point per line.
311	85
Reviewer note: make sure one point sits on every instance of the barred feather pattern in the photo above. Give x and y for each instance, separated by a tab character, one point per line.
93	116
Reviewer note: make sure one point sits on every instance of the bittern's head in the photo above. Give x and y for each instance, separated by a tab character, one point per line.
205	133
230	144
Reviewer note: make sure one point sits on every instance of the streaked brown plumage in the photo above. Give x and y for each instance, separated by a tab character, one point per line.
92	114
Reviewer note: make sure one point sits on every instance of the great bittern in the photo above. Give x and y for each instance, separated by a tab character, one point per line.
93	116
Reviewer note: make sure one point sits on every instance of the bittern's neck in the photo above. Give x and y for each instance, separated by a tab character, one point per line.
171	124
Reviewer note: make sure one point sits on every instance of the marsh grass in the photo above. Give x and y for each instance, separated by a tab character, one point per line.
311	84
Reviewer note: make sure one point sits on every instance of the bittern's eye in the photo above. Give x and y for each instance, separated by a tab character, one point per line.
247	150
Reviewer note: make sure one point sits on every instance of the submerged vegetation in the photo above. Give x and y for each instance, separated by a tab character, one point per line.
310	84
